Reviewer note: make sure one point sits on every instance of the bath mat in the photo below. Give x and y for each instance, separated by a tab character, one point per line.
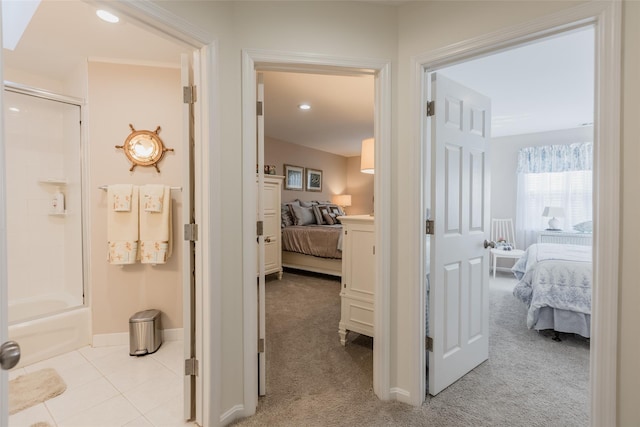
30	389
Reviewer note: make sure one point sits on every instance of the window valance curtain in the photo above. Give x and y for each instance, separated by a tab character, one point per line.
553	175
556	158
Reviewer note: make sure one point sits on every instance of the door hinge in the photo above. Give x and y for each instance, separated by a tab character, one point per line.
189	94
430	227
428	343
259	108
374	250
261	345
191	232
191	366
260	228
431	108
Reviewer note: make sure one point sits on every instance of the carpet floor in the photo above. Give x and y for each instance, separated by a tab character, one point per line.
529	380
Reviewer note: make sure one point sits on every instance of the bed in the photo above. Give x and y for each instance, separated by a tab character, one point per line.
309	241
555	284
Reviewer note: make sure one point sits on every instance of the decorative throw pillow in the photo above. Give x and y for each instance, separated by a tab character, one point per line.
319	211
303	215
328	219
584	227
285	215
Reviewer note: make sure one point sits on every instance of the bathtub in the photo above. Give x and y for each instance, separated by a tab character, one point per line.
50	335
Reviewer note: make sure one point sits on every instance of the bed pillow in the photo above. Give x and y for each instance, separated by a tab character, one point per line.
319	211
328	219
285	215
584	227
333	210
303	215
307	204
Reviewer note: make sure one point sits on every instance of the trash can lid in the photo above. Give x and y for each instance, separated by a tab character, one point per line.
144	316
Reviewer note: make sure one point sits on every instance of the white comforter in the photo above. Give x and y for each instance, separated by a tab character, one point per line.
556	276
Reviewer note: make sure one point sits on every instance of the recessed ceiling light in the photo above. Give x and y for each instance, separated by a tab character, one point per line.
14	109
304	106
107	16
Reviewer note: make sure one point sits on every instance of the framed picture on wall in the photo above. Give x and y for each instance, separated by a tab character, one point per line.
293	177
314	179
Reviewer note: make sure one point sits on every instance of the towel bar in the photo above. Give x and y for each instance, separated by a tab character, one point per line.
104	187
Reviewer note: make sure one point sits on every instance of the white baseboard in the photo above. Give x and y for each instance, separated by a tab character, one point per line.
122	338
400	395
231	415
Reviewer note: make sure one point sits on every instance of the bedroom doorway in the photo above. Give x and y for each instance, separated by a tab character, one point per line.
312	126
458	72
606	18
260	62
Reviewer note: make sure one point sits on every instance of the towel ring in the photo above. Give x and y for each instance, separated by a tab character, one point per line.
144	148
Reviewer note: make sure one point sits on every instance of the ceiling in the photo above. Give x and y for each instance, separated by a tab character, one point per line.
543	86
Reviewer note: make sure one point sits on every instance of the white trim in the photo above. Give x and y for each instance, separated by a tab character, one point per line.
400	394
252	59
606	17
4	287
208	254
232	414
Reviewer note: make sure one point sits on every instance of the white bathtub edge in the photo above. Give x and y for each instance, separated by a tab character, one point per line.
52	336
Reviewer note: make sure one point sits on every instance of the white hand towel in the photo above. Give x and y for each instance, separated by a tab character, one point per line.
122	230
121	197
153	196
156	231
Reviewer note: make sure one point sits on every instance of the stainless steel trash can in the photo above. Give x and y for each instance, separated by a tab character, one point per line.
145	332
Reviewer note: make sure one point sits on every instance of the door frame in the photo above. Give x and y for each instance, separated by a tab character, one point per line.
606	19
201	44
207	190
262	60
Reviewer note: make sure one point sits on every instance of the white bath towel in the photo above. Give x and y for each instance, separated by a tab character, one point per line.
122	230
121	201
156	231
153	197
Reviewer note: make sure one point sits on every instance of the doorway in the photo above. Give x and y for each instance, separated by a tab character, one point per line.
252	62
604	176
75	78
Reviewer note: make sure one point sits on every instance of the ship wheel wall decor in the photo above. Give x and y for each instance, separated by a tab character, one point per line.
144	148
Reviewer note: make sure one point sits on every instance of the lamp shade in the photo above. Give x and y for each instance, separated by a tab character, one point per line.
553	211
342	200
367	158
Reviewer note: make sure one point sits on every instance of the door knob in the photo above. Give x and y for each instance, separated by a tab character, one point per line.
489	244
9	355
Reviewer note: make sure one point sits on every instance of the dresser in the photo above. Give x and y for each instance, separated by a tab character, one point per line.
272	243
358	276
565	237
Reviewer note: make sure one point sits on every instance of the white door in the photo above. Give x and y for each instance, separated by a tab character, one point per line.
262	361
189	246
4	334
459	294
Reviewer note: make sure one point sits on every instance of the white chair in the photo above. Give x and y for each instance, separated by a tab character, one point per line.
503	228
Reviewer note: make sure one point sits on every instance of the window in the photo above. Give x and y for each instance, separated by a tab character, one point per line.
559	176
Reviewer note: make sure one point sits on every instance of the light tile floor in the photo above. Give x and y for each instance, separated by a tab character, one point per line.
107	387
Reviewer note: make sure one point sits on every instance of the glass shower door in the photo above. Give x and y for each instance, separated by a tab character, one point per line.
44	209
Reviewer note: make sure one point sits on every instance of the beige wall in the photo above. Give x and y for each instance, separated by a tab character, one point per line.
146	97
341	175
333	167
360	186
